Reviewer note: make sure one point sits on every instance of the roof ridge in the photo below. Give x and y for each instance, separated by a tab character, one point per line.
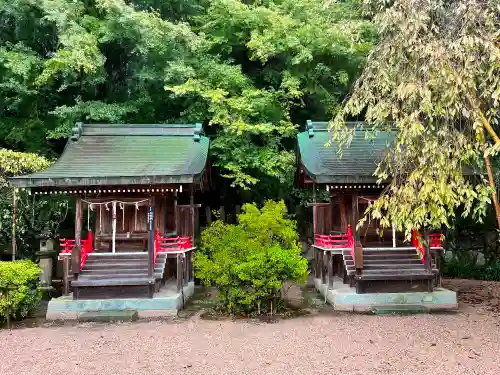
140	125
117	130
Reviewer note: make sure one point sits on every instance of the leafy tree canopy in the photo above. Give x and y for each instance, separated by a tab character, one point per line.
251	70
434	77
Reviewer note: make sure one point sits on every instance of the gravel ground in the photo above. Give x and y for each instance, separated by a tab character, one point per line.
465	343
322	343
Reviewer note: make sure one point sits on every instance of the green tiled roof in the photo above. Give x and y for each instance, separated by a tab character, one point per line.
105	154
356	164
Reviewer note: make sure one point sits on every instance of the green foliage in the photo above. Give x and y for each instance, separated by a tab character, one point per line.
464	268
34	217
251	70
249	262
433	77
20	291
15	163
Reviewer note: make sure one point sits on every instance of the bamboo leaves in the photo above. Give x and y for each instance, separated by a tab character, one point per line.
434	76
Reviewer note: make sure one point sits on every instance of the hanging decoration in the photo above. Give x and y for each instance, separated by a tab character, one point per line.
100	219
121	205
136	212
113	223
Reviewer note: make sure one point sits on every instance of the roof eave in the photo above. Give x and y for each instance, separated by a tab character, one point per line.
326	179
41	182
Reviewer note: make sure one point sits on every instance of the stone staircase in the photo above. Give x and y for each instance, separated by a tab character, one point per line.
113	275
388	269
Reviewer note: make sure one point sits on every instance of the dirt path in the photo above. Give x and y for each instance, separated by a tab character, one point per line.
322	343
337	344
481	295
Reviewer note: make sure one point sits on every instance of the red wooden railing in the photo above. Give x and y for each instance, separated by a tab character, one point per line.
171	244
67	246
337	241
351	242
86	249
435	240
334	241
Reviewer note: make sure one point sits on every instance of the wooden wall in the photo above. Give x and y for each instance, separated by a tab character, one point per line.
131	223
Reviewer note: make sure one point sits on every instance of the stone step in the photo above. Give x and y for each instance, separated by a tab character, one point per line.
395	267
105	271
126	269
401	309
113	282
105	316
393	261
407	272
106	265
388	248
368	269
396	276
102	256
390	256
411	252
111	276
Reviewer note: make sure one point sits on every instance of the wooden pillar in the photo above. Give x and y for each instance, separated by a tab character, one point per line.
427	253
208	214
437	259
355	214
75	254
358	254
323	270
329	259
358	249
317	263
191	269
151	239
191	211
185	273
176	215
65	261
343	214
330	214
179	273
113	227
315	211
14	220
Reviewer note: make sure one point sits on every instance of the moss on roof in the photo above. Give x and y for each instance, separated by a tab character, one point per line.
121	154
356	163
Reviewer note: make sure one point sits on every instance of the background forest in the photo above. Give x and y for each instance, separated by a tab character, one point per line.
252	72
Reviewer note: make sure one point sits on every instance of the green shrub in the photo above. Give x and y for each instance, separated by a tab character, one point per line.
20	291
249	262
461	268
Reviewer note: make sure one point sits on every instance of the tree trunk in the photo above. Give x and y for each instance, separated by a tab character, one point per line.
490	177
14	220
489	128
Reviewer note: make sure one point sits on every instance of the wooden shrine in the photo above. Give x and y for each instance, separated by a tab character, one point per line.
369	258
134	188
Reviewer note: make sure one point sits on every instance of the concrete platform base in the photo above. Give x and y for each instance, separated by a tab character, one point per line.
344	298
167	302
